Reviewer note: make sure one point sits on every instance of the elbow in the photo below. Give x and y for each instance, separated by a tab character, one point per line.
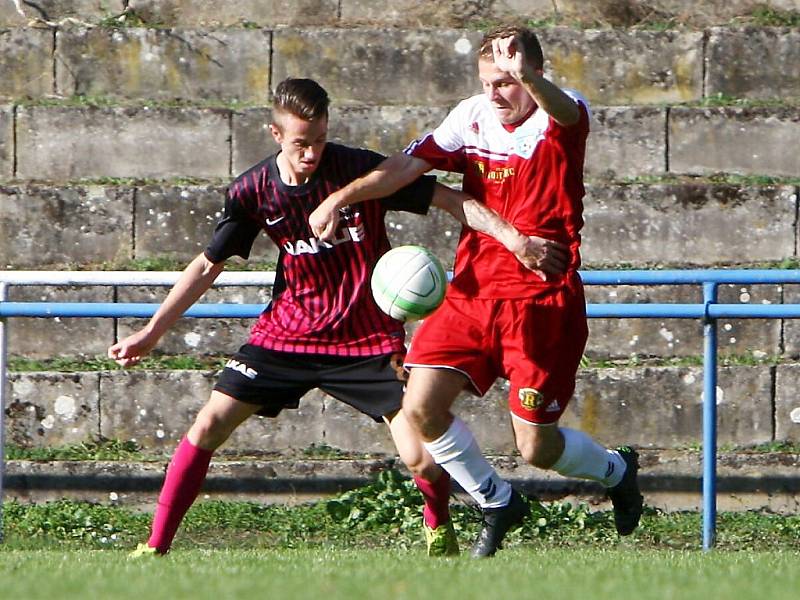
208	267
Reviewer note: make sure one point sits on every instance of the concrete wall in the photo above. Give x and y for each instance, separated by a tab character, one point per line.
635	224
67	143
178	89
390	12
657	407
428	66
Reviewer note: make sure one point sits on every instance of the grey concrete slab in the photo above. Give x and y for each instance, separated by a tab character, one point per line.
251	139
381	66
670	338
26	61
49	338
6	142
42	225
734	140
236	12
449	13
658	66
52	409
59	11
761	62
626	142
688	224
58	143
438	231
791	327
384	129
657	407
176	221
633	12
179	221
197	336
345	427
155	409
662	406
787	404
165	64
293	430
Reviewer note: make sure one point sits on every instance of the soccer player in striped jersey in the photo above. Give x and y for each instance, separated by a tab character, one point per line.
322	328
520	146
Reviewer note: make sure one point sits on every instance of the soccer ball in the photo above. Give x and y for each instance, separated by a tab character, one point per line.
408	283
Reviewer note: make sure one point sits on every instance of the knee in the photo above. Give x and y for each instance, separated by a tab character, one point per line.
421	464
540	454
208	431
423	413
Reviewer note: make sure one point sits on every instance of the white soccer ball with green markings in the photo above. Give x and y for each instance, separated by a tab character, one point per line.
408	283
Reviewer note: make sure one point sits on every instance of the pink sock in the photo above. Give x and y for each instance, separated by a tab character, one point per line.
185	476
437	499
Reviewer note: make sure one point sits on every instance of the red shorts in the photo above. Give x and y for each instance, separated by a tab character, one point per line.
536	343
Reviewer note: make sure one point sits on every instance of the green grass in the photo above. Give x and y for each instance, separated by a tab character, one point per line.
333	573
366	543
384	514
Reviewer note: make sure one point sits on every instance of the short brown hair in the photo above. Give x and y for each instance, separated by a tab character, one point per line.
303	98
528	39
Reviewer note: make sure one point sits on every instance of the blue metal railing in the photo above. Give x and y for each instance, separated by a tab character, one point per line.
708	311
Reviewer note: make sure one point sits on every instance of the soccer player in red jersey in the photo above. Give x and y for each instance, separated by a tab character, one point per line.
322	328
520	146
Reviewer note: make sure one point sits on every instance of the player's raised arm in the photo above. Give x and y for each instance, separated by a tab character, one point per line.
542	256
509	56
389	176
196	278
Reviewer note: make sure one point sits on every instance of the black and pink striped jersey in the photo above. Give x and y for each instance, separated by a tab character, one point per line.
321	303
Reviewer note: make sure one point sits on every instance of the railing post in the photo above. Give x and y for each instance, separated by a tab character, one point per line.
3	383
709	419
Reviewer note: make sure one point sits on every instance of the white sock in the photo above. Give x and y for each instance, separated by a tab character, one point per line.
457	453
586	459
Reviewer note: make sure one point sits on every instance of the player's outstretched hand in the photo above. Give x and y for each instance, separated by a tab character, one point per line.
544	257
132	349
324	220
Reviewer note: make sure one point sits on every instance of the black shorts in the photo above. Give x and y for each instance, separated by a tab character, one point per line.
277	380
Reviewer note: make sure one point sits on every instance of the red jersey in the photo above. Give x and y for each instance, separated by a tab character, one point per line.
321	301
531	174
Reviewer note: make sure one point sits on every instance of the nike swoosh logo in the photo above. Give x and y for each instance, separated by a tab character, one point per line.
273	221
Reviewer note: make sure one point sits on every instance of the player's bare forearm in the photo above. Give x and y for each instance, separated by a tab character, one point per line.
542	256
389	176
551	98
395	172
196	278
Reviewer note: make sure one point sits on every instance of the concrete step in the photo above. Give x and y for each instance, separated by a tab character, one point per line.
270	13
393	66
683	223
193	13
670	339
64	143
670	480
659	407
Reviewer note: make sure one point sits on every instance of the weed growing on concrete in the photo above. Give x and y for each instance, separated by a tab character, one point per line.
772	17
73	364
102	449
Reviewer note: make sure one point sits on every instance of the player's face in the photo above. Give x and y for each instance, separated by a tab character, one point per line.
510	101
302	142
